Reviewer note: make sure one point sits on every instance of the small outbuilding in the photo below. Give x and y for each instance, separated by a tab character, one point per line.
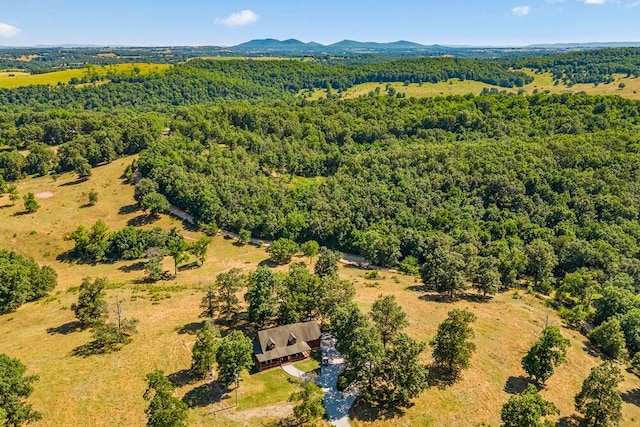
285	344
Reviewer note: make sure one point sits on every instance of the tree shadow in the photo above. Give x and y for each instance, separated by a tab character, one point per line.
435	297
93	348
441	377
6	206
569	421
128	209
182	378
191	266
66	329
591	350
205	395
432	296
632	396
516	385
190	328
22	213
268	263
70	183
136	266
142	219
239	321
367	412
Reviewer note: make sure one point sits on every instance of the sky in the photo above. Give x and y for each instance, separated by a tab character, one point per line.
229	22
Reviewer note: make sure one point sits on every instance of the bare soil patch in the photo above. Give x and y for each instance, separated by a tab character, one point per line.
44	195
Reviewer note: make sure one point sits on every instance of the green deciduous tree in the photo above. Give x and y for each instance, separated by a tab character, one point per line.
310	248
244	236
453	345
203	353
547	353
82	167
542	260
155	203
15	388
209	303
599	399
282	250
177	247
233	356
262	296
387	376
388	317
30	203
443	269
200	248
527	410
165	410
107	336
327	264
93	197
228	285
91	307
14	196
360	344
309	409
487	277
609	338
402	374
144	187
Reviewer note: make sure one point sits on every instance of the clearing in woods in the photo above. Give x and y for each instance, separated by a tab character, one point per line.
13	79
541	83
107	389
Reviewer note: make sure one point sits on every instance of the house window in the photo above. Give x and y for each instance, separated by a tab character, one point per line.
292	339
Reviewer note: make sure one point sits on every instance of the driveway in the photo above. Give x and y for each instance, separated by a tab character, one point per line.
336	403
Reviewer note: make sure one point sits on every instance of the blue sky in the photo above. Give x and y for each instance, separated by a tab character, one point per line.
228	22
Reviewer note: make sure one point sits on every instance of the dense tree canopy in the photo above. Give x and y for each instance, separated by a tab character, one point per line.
22	280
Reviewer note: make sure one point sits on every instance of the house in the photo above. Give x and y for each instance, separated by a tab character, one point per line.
284	344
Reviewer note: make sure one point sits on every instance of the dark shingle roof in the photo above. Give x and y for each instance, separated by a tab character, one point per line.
285	340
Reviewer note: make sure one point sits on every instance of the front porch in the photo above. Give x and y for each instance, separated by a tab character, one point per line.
281	360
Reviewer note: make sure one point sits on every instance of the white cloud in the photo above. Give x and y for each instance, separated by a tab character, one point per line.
7	30
521	10
595	1
239	19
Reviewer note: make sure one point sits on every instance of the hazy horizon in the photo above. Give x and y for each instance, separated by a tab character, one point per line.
227	23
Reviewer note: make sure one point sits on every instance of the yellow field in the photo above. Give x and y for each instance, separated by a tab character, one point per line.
17	79
106	390
542	82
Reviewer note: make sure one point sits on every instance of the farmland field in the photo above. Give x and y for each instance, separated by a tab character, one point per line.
17	79
541	83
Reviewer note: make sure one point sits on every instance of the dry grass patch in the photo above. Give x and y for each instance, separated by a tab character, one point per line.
505	330
18	79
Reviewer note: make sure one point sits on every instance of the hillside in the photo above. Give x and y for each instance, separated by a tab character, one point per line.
109	387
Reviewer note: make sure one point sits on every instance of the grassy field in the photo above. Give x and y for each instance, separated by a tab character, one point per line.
542	82
17	79
107	389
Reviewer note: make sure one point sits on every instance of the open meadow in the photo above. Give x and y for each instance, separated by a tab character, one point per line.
106	390
13	79
542	82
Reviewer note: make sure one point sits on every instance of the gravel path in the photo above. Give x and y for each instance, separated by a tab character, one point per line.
336	403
